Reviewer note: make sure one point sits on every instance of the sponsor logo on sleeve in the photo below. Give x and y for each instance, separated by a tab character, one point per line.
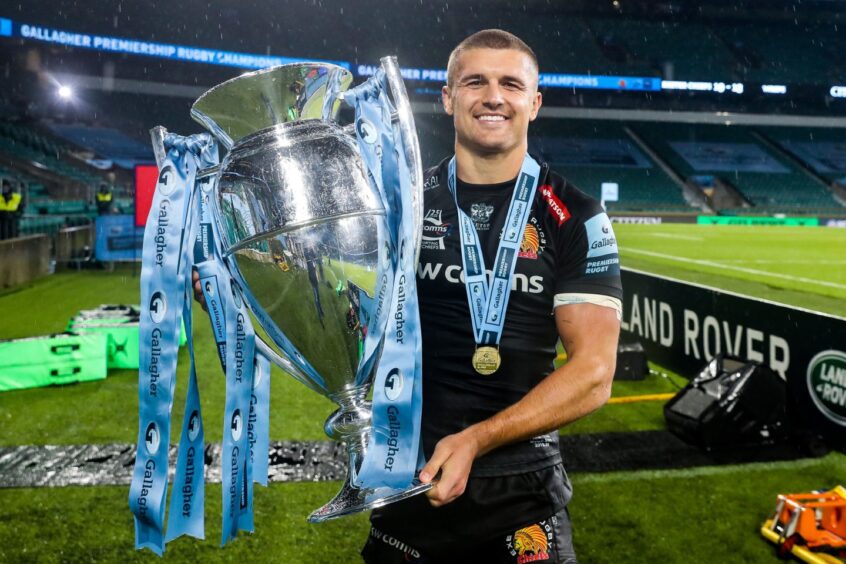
602	258
555	206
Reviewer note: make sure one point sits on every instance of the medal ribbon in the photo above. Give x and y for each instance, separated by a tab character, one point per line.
489	302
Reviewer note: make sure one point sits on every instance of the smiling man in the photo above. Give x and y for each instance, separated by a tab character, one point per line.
514	258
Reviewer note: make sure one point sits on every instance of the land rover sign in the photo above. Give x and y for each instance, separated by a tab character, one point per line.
827	384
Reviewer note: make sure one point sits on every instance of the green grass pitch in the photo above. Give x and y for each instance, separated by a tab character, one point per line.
709	513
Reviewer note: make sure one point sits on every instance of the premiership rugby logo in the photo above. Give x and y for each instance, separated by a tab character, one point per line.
158	307
827	384
194	425
152	439
531	544
236	427
393	384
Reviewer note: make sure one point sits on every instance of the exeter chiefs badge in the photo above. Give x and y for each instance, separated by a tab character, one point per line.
532	543
534	240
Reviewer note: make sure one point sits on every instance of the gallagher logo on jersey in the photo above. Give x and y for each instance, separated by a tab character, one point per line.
602	257
434	230
534	240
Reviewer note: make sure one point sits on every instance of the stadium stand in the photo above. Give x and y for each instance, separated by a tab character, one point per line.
57	191
672	50
589	153
785	53
27	144
822	150
768	181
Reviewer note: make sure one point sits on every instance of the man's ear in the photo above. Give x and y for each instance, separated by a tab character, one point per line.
446	100
536	104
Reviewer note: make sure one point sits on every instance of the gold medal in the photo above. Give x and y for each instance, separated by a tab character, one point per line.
486	360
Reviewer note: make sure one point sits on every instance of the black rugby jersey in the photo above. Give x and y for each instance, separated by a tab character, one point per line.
568	248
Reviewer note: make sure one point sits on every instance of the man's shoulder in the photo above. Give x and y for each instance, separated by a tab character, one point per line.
434	176
565	201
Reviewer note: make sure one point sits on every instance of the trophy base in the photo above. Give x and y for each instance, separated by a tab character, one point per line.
353	500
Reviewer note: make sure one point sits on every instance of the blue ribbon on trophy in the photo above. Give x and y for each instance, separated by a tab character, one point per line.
163	288
268	213
393	454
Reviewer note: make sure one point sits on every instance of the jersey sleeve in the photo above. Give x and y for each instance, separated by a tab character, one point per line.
588	265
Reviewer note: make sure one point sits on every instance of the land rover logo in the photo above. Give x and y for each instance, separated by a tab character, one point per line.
393	384
827	384
151	438
194	425
158	307
237	425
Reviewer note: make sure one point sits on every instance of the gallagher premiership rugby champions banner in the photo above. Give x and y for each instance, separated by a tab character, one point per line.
683	325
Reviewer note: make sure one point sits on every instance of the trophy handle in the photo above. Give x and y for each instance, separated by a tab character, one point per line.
157	135
411	146
286	365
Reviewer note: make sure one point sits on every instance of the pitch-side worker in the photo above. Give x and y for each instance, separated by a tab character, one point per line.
491	411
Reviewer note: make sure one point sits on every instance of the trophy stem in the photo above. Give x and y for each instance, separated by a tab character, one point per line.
351	424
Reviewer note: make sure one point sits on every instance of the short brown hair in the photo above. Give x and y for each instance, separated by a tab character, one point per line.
488	39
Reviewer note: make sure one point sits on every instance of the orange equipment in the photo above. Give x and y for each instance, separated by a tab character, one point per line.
811	526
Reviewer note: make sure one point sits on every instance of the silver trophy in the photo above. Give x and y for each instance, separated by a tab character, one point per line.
305	233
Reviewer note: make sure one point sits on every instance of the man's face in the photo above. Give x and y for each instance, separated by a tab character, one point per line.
492	99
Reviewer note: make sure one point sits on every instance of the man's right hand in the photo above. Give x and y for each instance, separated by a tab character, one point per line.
198	290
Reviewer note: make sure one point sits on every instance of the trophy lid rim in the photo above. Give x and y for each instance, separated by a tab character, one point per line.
266	70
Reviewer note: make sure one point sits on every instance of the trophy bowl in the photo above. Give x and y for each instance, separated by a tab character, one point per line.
305	235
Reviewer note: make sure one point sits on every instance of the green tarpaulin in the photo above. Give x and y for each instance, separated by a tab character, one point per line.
46	361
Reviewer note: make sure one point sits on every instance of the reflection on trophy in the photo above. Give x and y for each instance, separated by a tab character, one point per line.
305	233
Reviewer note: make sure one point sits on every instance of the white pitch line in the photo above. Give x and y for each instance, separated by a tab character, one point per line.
785	261
672	236
699	471
738	268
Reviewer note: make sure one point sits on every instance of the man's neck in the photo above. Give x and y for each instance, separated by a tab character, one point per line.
493	168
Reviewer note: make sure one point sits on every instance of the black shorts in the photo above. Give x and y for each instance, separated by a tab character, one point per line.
518	519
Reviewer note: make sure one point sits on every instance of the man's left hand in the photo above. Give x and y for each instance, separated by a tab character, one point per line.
453	458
